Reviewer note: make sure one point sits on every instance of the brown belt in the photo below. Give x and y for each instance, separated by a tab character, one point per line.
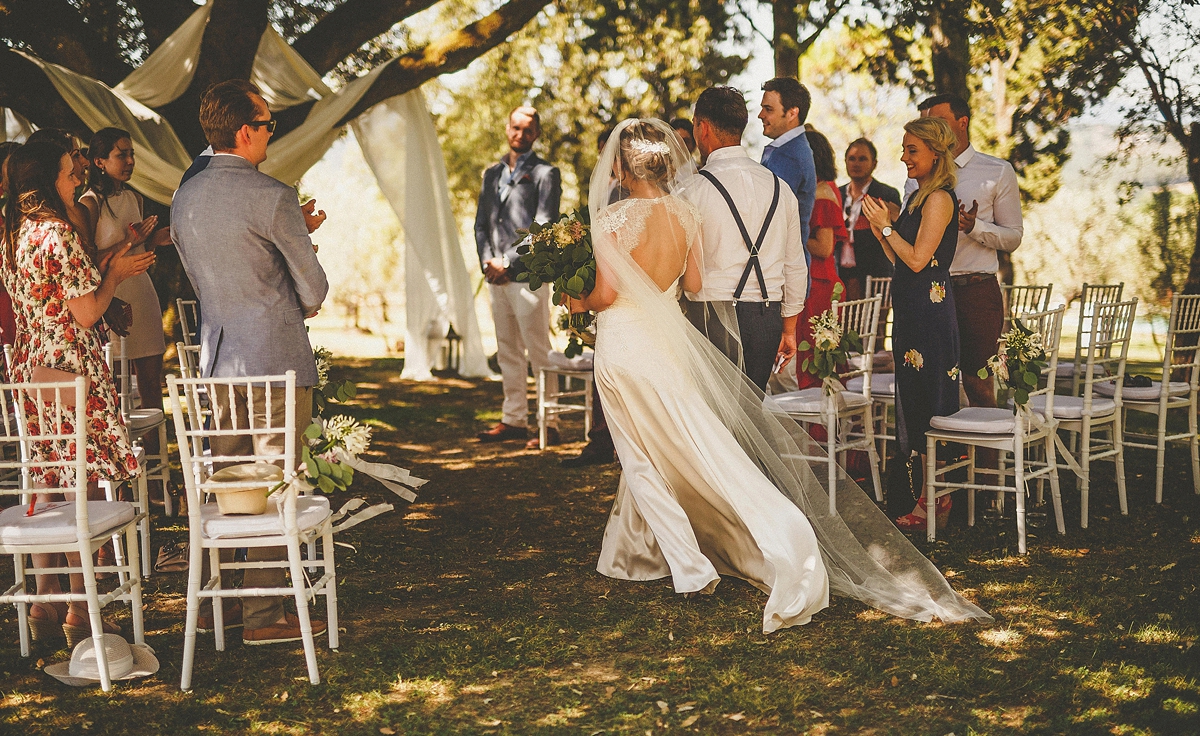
966	279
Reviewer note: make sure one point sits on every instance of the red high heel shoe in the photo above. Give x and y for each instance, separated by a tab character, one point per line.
913	522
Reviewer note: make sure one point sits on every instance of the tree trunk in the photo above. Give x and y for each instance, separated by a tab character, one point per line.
786	15
1193	168
951	49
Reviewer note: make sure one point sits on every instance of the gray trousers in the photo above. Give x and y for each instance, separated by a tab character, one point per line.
760	327
258	612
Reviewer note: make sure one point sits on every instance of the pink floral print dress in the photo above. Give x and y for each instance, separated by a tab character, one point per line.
51	267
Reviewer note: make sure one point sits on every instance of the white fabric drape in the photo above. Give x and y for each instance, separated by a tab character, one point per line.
16	127
400	145
397	137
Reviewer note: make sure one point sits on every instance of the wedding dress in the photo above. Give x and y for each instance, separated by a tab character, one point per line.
713	482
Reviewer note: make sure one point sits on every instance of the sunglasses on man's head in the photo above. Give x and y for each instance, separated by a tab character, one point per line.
259	123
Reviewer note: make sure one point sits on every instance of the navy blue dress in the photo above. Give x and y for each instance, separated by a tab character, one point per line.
924	334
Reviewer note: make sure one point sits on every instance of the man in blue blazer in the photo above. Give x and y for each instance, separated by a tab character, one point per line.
785	104
519	189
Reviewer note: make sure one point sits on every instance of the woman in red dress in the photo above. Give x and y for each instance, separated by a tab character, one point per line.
827	228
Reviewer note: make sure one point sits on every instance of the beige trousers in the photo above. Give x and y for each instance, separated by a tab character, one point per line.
258	612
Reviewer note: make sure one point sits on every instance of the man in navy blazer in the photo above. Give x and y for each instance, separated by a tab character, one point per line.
785	104
519	189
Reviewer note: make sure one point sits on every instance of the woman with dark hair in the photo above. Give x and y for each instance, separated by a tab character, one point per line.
826	229
59	295
112	208
76	214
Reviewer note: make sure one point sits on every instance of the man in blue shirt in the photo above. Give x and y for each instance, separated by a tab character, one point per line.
785	104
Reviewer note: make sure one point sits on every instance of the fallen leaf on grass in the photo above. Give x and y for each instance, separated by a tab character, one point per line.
1167	566
577	692
671	634
895	681
741	716
689	721
510	641
283	697
686	706
386	731
608	691
487	700
662	705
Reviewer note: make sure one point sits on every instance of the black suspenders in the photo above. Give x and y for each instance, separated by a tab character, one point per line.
753	247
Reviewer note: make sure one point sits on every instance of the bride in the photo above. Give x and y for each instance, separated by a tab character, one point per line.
712	479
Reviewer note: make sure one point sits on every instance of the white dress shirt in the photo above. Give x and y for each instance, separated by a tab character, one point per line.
992	183
725	255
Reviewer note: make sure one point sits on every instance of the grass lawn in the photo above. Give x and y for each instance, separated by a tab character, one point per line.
479	610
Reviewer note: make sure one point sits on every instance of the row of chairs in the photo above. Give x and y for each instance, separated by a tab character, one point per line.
1092	413
81	527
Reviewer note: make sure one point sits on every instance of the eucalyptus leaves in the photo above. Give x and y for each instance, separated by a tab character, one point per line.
1021	362
560	254
329	444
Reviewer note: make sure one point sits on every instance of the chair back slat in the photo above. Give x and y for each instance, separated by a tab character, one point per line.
1024	299
862	316
233	394
32	418
189	320
880	286
1107	348
1048	324
1182	356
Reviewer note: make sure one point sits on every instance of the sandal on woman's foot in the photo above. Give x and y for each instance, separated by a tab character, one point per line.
47	627
76	633
913	522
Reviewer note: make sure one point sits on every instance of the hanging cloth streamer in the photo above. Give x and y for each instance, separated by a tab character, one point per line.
167	73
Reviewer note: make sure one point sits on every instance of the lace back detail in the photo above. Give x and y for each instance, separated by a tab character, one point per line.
627	219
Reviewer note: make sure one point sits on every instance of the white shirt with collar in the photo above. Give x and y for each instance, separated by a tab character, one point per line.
992	183
725	255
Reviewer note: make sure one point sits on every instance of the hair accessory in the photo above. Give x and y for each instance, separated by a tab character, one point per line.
642	145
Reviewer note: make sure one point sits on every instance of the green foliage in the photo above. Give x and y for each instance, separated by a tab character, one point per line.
1166	246
1020	364
585	66
560	254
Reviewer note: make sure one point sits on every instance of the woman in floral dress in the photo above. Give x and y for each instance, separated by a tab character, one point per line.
922	243
59	296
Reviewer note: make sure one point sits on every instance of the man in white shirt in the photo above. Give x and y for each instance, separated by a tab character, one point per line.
989	220
753	250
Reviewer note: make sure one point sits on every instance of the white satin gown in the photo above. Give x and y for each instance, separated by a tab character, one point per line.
690	504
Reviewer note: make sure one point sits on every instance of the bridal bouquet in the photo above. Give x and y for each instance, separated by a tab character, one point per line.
560	254
330	448
1020	363
831	347
326	391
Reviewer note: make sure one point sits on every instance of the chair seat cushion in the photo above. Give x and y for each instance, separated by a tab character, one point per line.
810	400
1071	407
1143	393
977	420
882	384
1066	369
559	361
54	522
145	418
310	511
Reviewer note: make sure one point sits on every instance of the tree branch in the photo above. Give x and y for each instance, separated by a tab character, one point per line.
349	26
821	25
56	32
449	53
160	18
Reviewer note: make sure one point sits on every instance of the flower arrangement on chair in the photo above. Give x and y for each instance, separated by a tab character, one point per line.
1019	364
831	347
560	254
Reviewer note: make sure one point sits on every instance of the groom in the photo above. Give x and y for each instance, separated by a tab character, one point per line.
754	261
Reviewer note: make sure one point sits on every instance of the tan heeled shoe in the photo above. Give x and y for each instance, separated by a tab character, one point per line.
76	634
47	628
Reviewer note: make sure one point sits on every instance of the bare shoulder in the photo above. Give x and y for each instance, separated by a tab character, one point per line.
825	190
939	205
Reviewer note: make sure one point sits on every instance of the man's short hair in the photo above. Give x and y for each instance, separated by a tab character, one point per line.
528	111
681	124
791	94
865	143
224	109
958	106
724	108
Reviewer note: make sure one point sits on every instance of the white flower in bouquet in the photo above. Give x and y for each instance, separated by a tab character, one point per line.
562	234
347	432
827	333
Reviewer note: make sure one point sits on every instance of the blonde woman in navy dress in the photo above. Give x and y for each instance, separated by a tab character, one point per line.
921	242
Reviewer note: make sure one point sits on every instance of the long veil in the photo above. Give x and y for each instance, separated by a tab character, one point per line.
865	555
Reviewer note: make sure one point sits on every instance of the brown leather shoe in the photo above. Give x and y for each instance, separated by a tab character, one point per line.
232	620
503	432
552	438
280	633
